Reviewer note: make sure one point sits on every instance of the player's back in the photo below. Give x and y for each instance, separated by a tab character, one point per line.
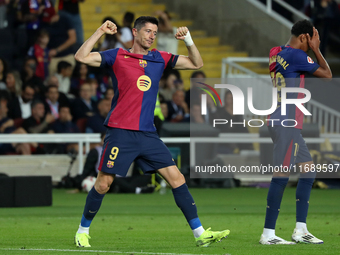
290	62
287	68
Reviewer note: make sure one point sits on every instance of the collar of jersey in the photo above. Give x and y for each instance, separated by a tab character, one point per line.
288	46
149	52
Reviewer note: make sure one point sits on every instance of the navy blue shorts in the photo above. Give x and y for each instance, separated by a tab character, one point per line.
122	147
289	146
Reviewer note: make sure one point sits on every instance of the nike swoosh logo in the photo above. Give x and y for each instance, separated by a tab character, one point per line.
92	211
209	237
126	56
193	203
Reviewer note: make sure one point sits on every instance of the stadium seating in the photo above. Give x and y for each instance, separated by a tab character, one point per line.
94	11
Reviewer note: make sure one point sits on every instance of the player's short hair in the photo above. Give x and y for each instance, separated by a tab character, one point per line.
302	27
63	65
142	20
129	17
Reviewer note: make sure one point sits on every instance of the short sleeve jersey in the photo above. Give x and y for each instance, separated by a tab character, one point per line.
135	79
287	69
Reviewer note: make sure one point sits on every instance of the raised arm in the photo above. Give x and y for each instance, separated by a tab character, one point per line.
323	71
84	54
194	59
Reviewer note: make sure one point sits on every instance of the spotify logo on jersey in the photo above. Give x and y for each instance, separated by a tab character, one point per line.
144	83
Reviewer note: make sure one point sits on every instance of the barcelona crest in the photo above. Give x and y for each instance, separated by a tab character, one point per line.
143	63
110	164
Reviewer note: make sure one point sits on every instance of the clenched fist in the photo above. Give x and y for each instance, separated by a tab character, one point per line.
109	28
181	33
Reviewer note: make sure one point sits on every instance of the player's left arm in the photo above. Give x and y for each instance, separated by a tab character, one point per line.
194	59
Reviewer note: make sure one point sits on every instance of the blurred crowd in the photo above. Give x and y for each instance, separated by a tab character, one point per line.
325	15
44	90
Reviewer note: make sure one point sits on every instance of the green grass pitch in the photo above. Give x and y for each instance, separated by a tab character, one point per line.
152	224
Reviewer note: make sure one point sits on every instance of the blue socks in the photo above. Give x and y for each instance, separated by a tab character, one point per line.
181	194
93	202
275	193
187	204
303	190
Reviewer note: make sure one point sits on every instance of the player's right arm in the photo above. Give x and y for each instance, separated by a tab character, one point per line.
314	43
84	54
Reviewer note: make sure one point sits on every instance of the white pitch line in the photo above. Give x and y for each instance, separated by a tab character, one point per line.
121	252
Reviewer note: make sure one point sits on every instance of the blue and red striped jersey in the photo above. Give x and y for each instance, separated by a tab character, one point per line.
287	69
135	79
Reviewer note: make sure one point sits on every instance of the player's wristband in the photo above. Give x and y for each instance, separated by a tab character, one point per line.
188	40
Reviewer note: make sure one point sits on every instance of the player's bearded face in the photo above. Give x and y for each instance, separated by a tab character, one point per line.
147	35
